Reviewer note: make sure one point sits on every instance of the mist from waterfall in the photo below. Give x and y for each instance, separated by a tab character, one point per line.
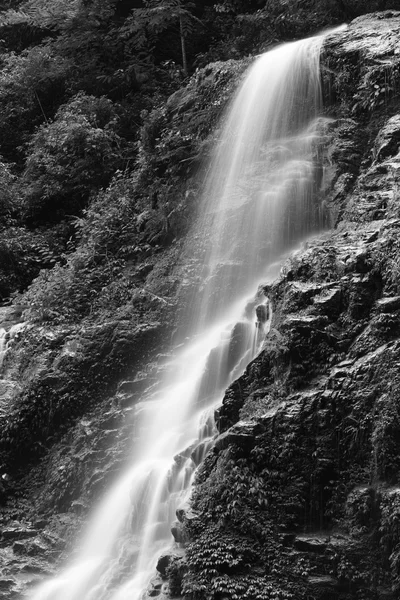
259	200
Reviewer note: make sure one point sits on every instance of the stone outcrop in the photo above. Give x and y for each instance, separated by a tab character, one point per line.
305	471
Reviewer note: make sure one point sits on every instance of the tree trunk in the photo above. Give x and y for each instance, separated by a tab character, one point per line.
183	45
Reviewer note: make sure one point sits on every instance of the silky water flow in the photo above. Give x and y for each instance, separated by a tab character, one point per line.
259	200
3	344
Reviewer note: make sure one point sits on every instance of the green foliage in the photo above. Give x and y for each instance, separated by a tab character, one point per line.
31	84
144	27
356	90
386	434
219	563
115	233
175	573
277	349
23	253
226	554
84	33
240	489
250	587
222	562
9	195
69	292
377	87
72	156
390	532
41	13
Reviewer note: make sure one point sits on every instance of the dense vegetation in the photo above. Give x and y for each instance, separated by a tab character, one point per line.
78	83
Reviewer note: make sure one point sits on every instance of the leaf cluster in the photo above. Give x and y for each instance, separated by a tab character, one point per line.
72	156
23	253
31	86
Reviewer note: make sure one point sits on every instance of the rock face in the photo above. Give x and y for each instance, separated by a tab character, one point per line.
300	493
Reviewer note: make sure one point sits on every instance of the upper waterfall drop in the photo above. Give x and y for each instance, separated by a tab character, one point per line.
260	198
260	191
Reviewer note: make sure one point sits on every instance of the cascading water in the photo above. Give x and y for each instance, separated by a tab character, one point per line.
6	337
259	199
3	344
260	192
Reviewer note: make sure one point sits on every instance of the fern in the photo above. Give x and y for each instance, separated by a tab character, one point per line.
57	15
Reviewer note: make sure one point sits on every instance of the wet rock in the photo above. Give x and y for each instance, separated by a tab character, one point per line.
40	523
166	560
310	544
185	513
17	533
163	563
179	533
144	270
242	434
387	141
34	569
301	294
6	584
19	547
237	342
329	300
30	547
155	588
262	313
324	582
79	507
133	387
388	304
305	321
111	420
271	414
10	315
154	591
8	390
228	413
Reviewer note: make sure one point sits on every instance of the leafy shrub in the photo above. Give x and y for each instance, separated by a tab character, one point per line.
23	253
70	157
385	437
221	563
175	572
377	87
69	292
115	234
390	533
31	86
9	195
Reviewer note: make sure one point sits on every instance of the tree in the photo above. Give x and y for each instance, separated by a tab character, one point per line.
145	24
72	156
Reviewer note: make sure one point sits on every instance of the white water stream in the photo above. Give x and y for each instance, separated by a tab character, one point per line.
6	338
259	200
3	345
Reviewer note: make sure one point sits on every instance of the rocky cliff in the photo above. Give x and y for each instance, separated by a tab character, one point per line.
300	496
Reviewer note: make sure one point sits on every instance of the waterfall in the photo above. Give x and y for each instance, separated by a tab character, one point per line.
259	200
3	344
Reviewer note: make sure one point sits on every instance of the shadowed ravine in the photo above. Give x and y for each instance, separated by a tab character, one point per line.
261	198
